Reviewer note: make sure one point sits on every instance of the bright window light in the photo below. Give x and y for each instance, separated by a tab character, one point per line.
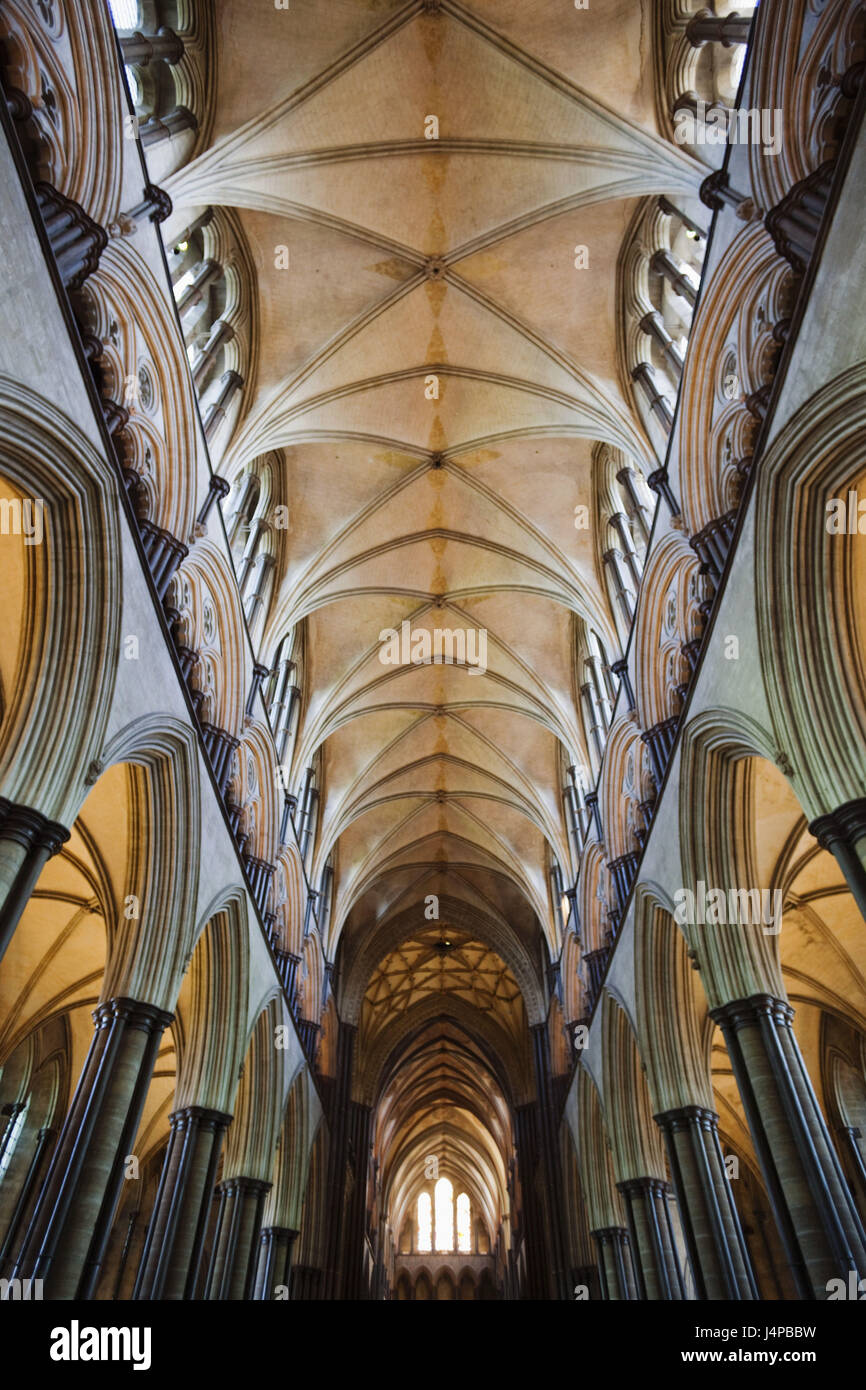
444	1194
125	13
464	1225
737	65
17	1126
425	1223
181	284
136	91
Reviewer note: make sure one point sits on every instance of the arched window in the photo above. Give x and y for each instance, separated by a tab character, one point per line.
151	51
575	785
282	695
11	1136
425	1223
464	1224
444	1198
597	691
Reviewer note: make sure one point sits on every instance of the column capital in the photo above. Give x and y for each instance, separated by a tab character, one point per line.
133	1013
29	828
744	1013
847	824
658	482
244	1185
611	1233
687	1117
639	1187
717	193
200	1117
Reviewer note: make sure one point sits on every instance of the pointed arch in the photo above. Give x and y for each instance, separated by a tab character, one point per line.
216	988
66	664
718	849
267	1073
149	955
671	1027
811	621
637	1146
595	1165
207	597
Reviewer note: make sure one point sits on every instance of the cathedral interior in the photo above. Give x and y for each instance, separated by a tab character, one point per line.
432	650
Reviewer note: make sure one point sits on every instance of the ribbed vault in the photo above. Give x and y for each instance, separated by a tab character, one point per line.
433	377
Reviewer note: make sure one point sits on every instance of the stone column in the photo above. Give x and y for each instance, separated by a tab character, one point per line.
653	325
70	1226
140	49
664	265
727	30
627	479
220	334
711	1225
644	376
619	521
612	560
660	740
550	1158
361	1128
840	833
217	488
811	1202
526	1126
275	1261
157	129
338	1155
27	841
615	1269
231	382
236	1239
206	273
76	240
660	484
172	1250
671	210
657	1267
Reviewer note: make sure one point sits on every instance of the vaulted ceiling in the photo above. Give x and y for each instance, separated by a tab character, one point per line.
432	374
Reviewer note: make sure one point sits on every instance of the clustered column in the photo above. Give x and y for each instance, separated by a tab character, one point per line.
239	1222
71	1224
711	1226
172	1253
812	1203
